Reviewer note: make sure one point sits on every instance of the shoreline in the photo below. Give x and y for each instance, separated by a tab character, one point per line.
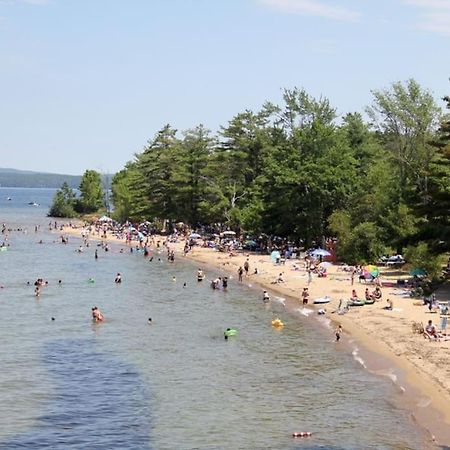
427	397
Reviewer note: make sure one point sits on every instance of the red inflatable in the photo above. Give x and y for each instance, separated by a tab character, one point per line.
302	434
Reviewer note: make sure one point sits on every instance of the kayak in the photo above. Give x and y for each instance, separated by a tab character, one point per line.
322	300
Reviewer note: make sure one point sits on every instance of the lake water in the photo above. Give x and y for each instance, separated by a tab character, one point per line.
176	384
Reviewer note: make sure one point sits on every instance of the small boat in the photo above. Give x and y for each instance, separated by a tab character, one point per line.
322	300
33	204
9	199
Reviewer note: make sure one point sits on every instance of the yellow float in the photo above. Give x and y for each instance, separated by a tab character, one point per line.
277	323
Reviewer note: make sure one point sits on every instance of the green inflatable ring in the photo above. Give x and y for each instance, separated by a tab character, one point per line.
230	332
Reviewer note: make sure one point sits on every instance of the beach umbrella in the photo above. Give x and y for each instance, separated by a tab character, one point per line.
251	243
275	255
105	219
374	271
194	236
416	272
320	252
229	233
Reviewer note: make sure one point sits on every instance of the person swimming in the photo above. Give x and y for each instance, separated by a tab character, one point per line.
97	316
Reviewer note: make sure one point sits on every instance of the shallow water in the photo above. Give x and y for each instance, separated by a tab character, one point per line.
176	384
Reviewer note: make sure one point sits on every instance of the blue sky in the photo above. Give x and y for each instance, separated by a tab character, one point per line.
85	83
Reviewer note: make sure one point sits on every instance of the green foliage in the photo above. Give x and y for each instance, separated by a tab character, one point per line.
92	196
357	245
63	203
420	257
434	211
122	193
291	170
407	115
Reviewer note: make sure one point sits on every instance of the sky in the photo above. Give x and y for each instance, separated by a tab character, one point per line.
84	84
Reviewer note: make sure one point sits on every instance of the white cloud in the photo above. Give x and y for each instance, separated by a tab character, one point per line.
437	23
435	15
313	8
36	2
429	4
29	2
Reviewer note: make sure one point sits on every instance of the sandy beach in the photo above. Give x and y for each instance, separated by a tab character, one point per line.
380	333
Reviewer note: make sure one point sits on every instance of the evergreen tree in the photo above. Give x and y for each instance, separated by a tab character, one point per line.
92	198
63	203
435	211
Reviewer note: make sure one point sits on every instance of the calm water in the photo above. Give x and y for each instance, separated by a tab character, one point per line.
176	384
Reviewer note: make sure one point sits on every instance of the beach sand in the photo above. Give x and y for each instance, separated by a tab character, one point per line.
423	363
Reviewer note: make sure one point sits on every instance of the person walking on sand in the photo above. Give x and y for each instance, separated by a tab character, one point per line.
338	333
309	276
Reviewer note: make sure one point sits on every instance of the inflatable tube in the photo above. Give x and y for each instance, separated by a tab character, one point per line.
230	332
277	323
356	303
302	434
369	302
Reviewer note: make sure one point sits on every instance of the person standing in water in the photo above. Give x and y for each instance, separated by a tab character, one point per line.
118	279
97	316
246	267
96	254
305	296
200	275
240	273
338	333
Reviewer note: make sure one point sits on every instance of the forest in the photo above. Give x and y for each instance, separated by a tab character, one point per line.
378	182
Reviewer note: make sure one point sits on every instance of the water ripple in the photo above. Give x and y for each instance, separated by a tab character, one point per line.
98	402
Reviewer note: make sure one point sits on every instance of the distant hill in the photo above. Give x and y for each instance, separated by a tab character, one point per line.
30	179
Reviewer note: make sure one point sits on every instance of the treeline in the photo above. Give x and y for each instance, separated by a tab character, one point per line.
25	179
298	171
93	197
